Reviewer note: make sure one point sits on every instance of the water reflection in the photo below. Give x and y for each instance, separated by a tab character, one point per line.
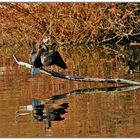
42	113
95	90
114	112
2	70
43	110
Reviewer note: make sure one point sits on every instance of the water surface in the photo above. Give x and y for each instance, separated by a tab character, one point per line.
92	114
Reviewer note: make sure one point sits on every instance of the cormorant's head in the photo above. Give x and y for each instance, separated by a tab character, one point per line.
46	41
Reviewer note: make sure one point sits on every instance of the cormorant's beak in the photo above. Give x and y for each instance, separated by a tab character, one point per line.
35	71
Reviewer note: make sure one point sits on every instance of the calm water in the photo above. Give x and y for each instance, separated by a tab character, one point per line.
76	113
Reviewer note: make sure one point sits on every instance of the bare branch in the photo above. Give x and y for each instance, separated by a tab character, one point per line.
80	79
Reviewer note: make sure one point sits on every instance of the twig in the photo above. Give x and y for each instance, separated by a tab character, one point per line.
80	79
109	39
134	44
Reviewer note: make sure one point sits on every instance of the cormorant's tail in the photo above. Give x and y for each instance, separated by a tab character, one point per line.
59	61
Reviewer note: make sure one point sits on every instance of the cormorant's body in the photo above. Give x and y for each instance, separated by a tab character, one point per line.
44	57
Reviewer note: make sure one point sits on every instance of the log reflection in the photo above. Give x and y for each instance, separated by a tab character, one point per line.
42	111
113	89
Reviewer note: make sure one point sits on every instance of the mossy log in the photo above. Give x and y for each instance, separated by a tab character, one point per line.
74	78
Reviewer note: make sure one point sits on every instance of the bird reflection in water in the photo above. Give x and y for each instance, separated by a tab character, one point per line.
41	113
48	114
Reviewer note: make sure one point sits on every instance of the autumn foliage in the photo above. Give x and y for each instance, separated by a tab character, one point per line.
71	23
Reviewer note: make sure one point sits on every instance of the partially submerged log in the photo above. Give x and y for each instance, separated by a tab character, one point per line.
74	78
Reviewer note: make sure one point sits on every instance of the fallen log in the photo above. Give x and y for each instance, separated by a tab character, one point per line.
74	78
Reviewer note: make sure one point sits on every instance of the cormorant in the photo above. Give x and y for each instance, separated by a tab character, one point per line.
45	57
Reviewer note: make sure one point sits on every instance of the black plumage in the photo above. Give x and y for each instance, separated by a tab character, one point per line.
46	57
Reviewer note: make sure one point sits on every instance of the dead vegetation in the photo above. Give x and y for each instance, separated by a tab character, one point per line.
71	23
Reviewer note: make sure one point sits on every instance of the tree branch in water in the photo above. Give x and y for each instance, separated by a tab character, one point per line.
74	78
